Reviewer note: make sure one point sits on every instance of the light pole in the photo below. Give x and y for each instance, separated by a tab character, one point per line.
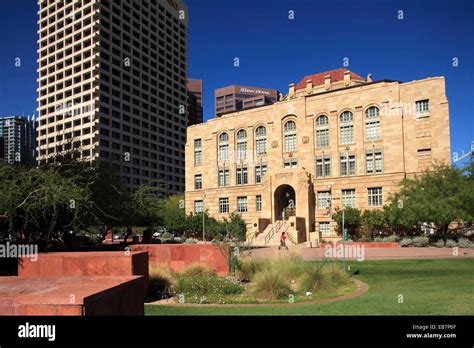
343	242
203	224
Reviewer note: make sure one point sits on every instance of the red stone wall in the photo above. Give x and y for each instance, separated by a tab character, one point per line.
178	256
366	245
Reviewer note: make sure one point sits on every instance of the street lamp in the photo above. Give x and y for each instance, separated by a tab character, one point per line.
203	225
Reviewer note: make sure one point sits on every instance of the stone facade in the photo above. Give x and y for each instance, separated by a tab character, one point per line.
391	128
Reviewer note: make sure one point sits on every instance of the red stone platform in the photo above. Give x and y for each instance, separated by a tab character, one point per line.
84	295
87	263
178	256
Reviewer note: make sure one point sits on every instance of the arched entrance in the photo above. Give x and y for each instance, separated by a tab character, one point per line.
285	200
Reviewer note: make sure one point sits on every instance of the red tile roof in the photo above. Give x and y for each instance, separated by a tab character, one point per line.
318	79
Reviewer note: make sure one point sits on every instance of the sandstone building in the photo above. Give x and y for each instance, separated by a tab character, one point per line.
335	140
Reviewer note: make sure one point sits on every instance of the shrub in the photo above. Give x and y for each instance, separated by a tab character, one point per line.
160	281
196	269
313	279
451	243
290	265
190	241
439	243
464	243
248	267
391	239
269	284
378	239
336	276
406	242
204	288
421	241
364	239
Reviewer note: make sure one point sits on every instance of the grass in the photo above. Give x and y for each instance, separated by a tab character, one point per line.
429	287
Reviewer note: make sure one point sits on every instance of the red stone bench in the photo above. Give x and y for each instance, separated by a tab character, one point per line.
178	256
72	295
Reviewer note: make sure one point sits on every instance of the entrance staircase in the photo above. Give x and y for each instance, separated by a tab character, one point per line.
271	235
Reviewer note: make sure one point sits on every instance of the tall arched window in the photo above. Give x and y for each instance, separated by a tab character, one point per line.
346	127
242	144
289	133
322	131
261	140
372	123
224	147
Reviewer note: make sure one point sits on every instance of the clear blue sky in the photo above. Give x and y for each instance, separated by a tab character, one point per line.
275	51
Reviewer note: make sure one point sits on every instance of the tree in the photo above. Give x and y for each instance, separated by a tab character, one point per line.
172	215
352	220
439	196
373	221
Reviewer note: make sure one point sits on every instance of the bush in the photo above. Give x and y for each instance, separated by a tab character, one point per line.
325	277
451	243
406	242
248	267
391	239
439	243
196	269
421	241
313	279
464	243
378	239
336	276
290	266
269	284
190	241
160	281
205	288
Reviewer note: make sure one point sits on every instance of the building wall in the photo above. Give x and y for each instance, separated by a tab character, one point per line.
403	133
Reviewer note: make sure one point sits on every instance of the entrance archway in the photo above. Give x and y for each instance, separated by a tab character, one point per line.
285	200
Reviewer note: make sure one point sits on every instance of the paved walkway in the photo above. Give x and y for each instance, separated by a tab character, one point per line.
372	253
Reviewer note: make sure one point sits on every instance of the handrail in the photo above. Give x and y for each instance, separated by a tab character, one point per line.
271	233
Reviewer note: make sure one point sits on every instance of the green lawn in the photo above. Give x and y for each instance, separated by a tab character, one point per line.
429	287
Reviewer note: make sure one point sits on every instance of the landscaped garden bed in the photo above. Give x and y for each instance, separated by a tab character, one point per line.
286	279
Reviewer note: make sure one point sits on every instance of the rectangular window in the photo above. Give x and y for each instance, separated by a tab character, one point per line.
424	152
259	203
260	171
261	146
347	165
241	176
375	196
224	152
197	181
422	107
325	229
347	134
374	162
290	142
197	152
324	199
242	150
349	198
223	177
241	204
198	207
290	162
323	166
372	130
322	137
223	205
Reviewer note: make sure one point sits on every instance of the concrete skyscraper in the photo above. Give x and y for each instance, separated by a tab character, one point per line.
112	86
